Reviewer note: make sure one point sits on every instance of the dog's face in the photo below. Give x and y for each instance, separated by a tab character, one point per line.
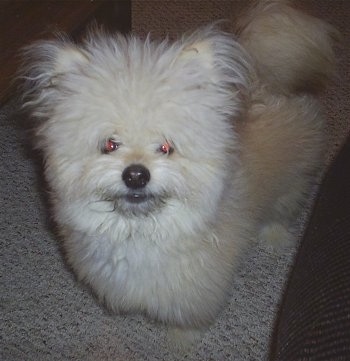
137	128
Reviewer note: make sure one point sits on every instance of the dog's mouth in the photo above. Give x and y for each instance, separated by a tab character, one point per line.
137	197
134	203
138	203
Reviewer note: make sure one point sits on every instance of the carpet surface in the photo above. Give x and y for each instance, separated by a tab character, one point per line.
46	315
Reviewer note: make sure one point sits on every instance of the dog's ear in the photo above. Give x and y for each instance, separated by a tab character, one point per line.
45	64
217	56
68	59
44	61
200	51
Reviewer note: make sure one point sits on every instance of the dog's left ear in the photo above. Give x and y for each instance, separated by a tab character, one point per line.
201	52
218	56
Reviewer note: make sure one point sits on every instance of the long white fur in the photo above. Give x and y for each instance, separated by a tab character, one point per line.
243	161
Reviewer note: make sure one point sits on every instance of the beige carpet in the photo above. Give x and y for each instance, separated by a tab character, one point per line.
45	315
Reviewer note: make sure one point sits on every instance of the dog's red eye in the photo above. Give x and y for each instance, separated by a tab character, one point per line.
110	146
166	148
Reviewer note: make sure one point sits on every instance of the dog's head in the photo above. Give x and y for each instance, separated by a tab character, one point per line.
136	127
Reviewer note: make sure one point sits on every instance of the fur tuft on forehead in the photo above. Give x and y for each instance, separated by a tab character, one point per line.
206	58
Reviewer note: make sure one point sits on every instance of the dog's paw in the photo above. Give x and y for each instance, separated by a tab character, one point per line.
183	340
276	235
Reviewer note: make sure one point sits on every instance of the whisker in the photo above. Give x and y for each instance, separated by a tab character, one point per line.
98	205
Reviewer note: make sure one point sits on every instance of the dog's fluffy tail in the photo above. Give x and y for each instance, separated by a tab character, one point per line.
292	51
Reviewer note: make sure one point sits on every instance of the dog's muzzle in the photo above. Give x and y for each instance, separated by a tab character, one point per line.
137	199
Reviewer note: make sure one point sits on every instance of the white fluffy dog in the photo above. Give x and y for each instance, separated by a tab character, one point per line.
166	158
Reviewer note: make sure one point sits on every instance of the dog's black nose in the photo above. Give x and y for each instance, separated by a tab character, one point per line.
136	176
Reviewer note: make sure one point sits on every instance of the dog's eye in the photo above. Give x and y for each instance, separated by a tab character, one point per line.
110	145
166	148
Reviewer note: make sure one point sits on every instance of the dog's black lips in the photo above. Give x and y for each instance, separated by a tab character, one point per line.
136	202
136	197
